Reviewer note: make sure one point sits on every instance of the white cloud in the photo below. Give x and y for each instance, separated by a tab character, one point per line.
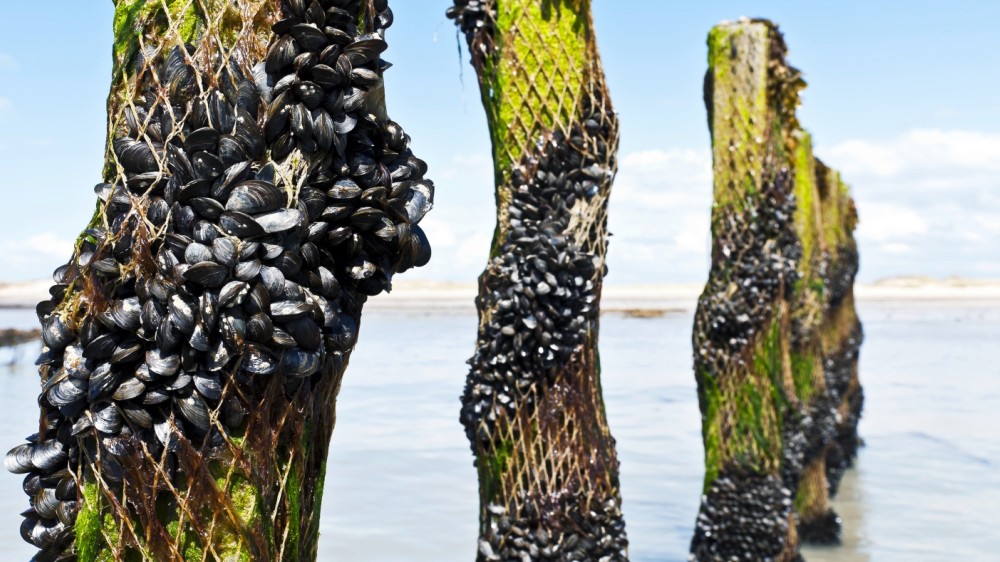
896	248
928	200
34	256
664	179
50	244
919	150
885	222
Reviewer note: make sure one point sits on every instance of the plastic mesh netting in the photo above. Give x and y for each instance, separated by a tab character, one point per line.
255	195
762	328
532	406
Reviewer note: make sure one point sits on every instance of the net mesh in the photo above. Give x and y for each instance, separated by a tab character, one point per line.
256	195
532	407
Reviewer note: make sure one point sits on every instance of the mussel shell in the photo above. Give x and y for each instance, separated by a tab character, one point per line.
137	415
45	503
297	363
18	459
56	333
284	311
232	293
280	220
102	346
196	252
207	274
102	382
260	328
281	54
306	333
193	409
224	251
67	393
205	138
107	418
257	361
366	49
240	224
130	388
308	36
162	366
207	207
208	385
254	196
136	156
247	270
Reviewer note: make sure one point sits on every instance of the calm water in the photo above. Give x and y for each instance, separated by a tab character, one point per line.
401	485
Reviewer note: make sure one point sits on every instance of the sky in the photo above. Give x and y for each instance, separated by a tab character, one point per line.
901	99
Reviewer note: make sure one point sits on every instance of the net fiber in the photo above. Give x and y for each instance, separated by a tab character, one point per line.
255	196
532	406
764	343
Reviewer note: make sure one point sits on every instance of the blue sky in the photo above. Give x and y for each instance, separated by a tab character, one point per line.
901	98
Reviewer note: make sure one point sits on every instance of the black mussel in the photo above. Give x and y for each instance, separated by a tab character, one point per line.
18	459
297	363
205	138
281	54
280	220
254	196
240	224
366	49
258	361
308	36
162	366
130	388
193	409
137	157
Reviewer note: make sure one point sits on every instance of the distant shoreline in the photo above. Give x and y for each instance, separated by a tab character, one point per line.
628	300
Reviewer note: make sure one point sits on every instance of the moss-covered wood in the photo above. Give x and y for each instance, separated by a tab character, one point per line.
532	407
760	335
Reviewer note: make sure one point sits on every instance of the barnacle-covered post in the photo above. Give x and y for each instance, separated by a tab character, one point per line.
762	334
742	323
532	406
255	194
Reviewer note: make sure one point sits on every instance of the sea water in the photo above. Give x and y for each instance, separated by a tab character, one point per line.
401	485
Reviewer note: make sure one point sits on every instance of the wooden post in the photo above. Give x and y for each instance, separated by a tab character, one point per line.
255	195
532	406
761	334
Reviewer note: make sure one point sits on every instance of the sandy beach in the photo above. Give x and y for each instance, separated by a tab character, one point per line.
637	300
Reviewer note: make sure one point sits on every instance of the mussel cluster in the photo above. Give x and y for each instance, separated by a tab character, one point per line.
248	224
759	259
840	368
597	534
540	298
808	435
842	271
540	305
472	16
743	516
823	529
